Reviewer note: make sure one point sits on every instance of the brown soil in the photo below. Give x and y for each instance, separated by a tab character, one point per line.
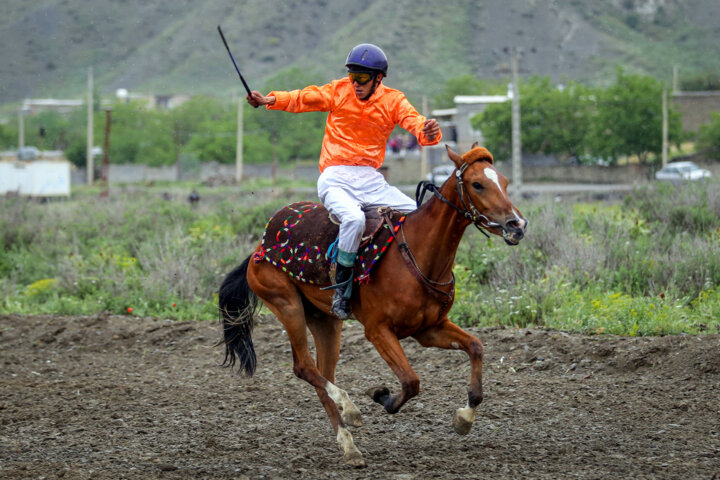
121	397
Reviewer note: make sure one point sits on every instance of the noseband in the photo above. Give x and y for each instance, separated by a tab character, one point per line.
468	210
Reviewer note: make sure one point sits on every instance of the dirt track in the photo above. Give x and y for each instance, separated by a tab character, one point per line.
120	397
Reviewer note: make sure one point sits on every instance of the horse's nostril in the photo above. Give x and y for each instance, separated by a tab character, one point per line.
517	224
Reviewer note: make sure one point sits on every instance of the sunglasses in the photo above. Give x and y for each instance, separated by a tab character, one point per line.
360	77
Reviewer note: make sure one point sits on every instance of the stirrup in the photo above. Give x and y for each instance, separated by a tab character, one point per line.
341	306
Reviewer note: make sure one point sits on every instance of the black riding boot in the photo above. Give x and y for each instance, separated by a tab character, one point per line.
341	298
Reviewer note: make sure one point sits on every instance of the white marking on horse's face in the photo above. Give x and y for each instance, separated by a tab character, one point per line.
492	175
519	218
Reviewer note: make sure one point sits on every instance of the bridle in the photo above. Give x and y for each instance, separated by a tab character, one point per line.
468	210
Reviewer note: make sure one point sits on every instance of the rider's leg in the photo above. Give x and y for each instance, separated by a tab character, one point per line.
351	228
380	193
339	195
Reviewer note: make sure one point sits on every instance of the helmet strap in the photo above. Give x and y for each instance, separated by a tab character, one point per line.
374	87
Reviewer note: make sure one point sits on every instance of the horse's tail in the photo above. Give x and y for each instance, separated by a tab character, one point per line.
237	310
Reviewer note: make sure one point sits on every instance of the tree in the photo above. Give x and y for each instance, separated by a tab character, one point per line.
8	136
207	128
709	137
139	135
289	136
200	116
553	119
702	82
628	119
55	131
215	139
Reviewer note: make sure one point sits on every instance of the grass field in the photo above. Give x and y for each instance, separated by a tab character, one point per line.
648	265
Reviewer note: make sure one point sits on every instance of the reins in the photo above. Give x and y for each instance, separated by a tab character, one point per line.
431	285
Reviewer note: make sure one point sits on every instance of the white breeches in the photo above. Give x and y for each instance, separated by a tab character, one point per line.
347	190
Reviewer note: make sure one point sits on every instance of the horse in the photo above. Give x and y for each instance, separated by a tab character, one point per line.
409	294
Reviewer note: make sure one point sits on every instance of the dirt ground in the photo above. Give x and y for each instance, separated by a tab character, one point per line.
113	397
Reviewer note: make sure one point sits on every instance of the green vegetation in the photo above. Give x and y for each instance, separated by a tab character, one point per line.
709	137
647	266
203	129
588	124
572	121
133	251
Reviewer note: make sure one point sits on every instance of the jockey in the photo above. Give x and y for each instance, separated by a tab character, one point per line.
362	114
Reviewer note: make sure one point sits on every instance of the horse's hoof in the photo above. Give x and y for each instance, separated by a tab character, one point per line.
354	459
352	418
378	394
464	419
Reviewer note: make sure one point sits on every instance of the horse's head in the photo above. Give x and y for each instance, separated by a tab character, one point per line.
483	195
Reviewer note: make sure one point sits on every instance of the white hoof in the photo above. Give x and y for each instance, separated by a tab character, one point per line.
351	455
464	419
354	459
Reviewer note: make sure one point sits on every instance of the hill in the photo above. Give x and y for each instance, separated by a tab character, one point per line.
172	46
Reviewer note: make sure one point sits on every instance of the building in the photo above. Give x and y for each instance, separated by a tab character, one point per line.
35	105
455	122
696	108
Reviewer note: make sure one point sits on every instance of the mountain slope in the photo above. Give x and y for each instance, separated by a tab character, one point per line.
167	46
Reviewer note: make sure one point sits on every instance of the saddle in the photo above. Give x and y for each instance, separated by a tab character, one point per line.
299	240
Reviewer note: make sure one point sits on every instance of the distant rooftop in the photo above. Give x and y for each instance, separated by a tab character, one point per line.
51	102
473	99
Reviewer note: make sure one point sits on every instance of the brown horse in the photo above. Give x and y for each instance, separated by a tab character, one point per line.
409	295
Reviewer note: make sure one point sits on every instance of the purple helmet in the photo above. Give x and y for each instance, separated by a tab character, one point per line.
367	56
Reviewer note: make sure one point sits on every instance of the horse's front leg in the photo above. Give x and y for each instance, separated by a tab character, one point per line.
389	348
450	336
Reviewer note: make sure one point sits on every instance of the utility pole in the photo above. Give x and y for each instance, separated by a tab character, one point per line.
106	157
664	128
21	127
90	165
516	142
239	146
424	150
675	78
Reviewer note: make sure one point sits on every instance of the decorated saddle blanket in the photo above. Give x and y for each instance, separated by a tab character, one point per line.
300	238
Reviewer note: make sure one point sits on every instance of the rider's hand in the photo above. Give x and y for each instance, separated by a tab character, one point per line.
257	99
431	129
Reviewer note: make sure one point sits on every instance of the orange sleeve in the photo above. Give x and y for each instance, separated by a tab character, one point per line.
309	99
412	121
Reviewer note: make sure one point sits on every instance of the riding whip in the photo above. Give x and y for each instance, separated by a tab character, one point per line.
233	60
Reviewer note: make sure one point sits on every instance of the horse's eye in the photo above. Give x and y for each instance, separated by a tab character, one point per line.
477	186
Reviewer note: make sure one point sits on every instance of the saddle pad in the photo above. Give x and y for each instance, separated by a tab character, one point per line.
297	239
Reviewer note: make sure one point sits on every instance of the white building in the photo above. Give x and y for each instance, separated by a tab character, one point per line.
455	122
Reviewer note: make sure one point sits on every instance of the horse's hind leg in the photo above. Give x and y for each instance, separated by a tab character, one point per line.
282	297
326	331
449	336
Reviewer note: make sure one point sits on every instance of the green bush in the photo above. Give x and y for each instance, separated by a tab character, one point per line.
652	272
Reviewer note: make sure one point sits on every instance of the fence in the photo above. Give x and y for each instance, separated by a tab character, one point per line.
400	170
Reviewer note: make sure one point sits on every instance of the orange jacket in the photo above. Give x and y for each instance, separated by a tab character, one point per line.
356	131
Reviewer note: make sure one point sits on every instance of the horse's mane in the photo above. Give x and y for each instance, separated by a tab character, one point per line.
478	153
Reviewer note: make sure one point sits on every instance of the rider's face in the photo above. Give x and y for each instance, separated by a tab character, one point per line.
363	91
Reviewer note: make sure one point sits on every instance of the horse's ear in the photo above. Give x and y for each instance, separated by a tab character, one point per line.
476	144
456	159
